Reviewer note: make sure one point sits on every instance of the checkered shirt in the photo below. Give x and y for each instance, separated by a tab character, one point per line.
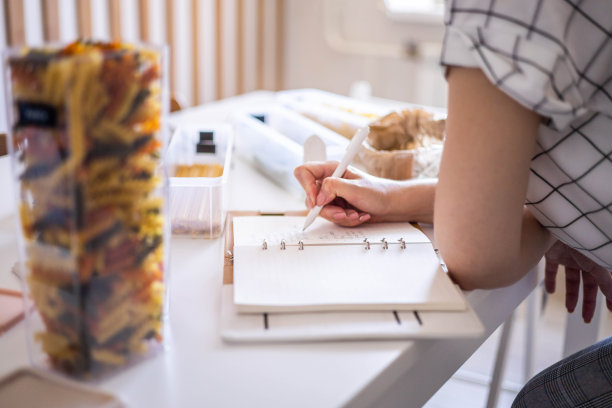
555	58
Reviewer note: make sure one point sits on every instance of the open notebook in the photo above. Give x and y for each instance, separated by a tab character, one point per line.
391	266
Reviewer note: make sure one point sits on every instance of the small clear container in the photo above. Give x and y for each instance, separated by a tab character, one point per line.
199	161
273	138
87	133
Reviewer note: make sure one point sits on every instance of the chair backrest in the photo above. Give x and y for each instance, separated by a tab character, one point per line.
218	48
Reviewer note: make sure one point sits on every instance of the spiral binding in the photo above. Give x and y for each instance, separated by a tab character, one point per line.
366	243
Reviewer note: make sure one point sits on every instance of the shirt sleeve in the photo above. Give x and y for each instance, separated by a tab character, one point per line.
548	55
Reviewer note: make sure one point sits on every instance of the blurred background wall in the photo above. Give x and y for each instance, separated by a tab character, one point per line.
394	46
222	48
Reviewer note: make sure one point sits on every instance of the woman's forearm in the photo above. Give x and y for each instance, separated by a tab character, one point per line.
410	200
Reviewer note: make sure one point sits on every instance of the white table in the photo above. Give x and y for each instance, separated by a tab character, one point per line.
199	370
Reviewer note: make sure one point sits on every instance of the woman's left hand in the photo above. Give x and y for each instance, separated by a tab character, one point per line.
577	265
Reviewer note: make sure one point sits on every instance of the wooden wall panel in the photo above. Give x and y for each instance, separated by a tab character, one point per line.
15	22
260	44
50	16
240	68
171	43
114	16
234	46
279	45
267	19
195	51
219	47
249	50
143	20
83	9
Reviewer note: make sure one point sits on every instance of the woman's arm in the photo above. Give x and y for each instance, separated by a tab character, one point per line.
358	197
485	235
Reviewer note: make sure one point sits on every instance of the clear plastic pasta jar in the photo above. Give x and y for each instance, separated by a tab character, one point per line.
86	142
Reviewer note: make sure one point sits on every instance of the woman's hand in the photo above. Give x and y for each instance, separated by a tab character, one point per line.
577	265
358	197
348	201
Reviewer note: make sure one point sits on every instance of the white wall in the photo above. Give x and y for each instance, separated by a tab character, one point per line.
312	62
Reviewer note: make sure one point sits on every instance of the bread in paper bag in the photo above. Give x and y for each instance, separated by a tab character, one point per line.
403	145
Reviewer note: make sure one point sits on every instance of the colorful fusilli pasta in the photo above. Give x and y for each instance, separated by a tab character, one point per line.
86	136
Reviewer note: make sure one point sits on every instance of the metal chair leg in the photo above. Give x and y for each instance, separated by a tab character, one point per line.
534	306
500	362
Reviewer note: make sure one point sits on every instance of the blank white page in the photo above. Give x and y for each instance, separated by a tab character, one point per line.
334	270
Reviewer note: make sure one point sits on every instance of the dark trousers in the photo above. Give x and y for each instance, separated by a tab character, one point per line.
583	379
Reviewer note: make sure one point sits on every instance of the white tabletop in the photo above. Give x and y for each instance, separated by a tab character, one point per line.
197	369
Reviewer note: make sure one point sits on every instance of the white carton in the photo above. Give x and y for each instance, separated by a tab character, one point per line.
272	139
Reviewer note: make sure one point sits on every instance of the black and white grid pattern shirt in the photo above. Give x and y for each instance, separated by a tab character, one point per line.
554	57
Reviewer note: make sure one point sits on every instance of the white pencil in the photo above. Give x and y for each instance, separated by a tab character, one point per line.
351	151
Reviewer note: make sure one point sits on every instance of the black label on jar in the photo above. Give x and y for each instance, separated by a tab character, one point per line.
36	114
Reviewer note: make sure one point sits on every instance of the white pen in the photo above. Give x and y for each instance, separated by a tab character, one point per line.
351	151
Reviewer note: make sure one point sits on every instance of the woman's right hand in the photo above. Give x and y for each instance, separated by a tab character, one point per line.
349	201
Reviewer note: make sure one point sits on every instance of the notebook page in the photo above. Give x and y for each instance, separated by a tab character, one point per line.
336	277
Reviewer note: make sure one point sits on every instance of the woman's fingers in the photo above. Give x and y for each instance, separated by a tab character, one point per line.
589	296
330	189
358	193
550	275
343	216
310	176
593	277
572	287
603	279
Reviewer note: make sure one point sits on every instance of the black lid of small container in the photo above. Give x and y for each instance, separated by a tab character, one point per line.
206	136
206	147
